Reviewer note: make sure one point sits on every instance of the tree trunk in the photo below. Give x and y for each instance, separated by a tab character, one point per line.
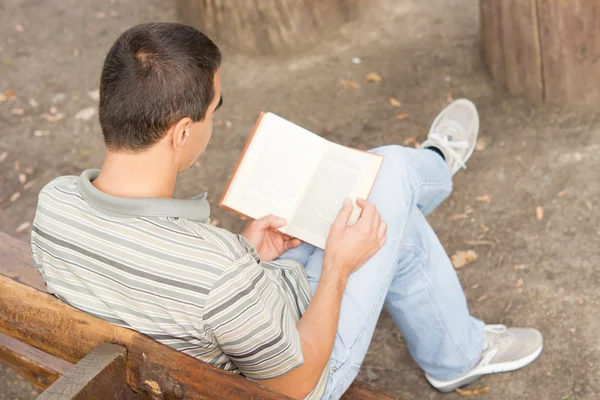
548	50
268	26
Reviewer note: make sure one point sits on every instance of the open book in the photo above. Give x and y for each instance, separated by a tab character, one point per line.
292	173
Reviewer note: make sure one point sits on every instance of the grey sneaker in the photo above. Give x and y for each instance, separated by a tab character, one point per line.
507	349
454	132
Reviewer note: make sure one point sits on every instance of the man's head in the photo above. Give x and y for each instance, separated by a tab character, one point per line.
160	86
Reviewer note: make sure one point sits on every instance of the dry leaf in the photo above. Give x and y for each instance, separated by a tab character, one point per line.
53	118
475	286
394	102
518	267
461	215
86	114
53	110
507	309
15	197
33	103
562	193
539	213
484	228
22	178
2	97
462	258
409	140
29	185
40	133
580	301
198	164
29	170
401	116
19	28
373	77
10	95
485	198
22	227
214	222
572	330
473	392
228	124
17	111
349	84
482	298
449	97
3	156
17	165
588	204
482	143
519	283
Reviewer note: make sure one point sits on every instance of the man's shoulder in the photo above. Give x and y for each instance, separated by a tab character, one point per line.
62	182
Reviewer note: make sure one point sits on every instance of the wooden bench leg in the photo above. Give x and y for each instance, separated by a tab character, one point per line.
41	369
101	375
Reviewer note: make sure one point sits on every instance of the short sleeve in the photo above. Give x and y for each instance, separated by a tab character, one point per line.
250	319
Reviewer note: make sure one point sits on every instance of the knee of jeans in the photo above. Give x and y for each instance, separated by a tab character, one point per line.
396	159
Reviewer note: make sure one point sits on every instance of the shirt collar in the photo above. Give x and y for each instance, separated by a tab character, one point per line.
196	209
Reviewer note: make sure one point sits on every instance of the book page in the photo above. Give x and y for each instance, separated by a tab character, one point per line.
342	172
276	169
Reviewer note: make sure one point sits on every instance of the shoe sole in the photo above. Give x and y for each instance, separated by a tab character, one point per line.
450	386
472	106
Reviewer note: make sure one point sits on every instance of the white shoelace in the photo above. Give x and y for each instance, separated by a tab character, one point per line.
441	139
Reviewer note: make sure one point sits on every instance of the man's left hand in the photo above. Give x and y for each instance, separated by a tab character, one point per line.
268	242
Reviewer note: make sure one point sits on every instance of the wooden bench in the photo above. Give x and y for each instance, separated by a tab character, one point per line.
72	355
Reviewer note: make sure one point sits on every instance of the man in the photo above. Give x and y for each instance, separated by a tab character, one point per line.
116	244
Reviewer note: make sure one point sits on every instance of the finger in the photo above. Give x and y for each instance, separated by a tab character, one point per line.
362	203
290	244
368	212
344	214
285	237
376	221
382	230
270	221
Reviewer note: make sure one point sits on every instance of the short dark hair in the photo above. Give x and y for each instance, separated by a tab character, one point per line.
153	76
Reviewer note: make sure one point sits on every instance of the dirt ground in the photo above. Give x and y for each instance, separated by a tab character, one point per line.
529	271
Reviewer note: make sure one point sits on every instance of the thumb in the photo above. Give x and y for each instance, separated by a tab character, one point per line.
344	215
269	221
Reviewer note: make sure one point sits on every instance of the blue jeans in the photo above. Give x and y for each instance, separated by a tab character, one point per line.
411	274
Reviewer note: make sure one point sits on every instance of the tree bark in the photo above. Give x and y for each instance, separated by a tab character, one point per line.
268	26
548	50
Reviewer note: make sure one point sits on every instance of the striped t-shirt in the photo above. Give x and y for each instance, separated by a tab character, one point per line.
155	266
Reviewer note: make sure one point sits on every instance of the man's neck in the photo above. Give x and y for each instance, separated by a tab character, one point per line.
149	174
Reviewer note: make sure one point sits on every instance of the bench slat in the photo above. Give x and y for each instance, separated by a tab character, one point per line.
99	375
41	369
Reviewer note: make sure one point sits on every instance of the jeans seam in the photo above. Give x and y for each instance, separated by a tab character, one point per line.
457	347
382	293
385	288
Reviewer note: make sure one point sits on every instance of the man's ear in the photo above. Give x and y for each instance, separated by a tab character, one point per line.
180	133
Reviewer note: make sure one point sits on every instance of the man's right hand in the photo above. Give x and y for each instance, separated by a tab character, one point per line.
349	247
346	250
